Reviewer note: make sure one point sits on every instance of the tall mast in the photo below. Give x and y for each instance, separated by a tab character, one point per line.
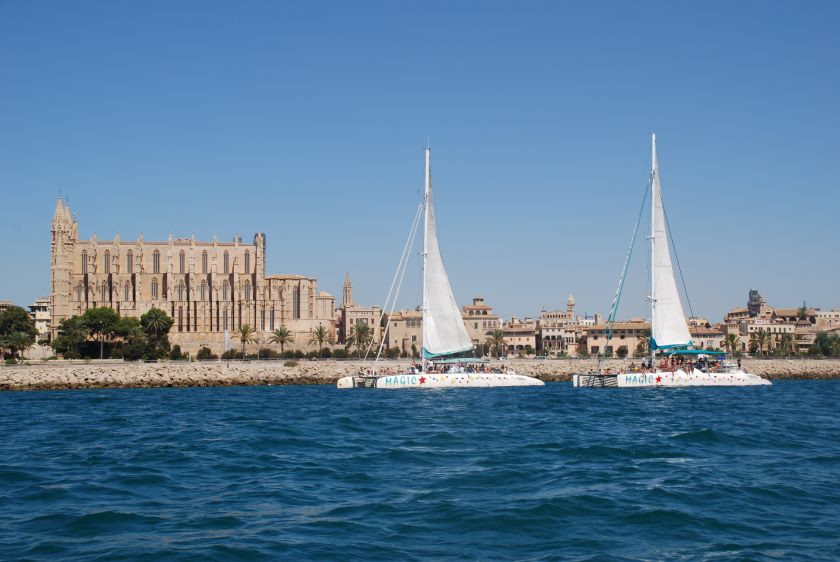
427	192
654	172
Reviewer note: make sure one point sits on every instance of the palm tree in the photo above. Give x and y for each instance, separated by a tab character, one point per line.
247	334
282	336
360	336
643	345
156	322
18	341
496	340
319	336
74	331
762	339
732	343
786	344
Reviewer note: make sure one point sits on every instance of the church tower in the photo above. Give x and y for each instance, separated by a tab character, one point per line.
570	306
347	297
63	241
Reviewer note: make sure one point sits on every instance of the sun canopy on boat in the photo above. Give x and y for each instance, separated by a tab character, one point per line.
693	352
460	360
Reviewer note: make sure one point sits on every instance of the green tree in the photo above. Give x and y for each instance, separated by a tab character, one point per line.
802	313
732	343
643	345
319	336
496	341
247	334
785	346
282	336
156	325
17	342
622	352
360	337
71	333
762	340
15	319
101	322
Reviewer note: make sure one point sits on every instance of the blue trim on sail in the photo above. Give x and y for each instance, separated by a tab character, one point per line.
429	355
654	346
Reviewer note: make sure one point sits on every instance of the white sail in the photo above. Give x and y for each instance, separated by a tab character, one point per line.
668	325
443	327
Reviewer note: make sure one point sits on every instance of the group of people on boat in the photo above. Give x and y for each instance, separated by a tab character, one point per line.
675	363
433	368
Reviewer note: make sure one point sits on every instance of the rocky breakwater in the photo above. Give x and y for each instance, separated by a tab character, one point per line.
67	375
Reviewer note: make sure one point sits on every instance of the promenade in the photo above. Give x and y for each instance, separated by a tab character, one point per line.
56	375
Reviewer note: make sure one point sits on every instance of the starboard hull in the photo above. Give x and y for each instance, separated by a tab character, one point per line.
669	379
454	380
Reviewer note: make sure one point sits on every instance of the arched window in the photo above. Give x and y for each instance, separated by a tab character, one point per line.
247	261
156	262
203	290
296	303
181	290
271	319
129	262
107	262
126	291
204	261
84	262
247	290
182	262
180	319
225	325
262	319
225	290
79	292
154	288
103	291
226	262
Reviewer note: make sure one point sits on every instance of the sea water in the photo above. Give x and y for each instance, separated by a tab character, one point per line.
525	473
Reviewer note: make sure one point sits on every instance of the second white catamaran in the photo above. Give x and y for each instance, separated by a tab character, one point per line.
680	366
444	334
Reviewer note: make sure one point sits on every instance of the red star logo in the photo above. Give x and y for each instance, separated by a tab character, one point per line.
658	378
422	380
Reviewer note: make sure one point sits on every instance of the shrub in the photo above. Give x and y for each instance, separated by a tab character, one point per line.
340	353
392	352
175	354
622	352
290	363
204	354
267	353
326	353
11	361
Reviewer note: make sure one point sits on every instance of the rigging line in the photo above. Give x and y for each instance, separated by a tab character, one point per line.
677	257
622	277
401	266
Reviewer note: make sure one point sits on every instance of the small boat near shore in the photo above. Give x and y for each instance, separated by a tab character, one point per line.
445	338
680	365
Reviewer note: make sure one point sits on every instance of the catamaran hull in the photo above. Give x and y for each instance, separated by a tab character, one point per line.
455	380
669	379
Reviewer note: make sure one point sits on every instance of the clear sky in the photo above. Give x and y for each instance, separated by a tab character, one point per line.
306	120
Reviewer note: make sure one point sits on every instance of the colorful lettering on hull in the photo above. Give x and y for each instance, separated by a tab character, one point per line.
402	380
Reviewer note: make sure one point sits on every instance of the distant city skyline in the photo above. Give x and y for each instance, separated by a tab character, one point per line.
307	123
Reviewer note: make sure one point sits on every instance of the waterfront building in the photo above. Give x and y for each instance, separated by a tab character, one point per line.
520	335
625	335
351	314
41	313
208	287
560	331
405	331
707	338
480	320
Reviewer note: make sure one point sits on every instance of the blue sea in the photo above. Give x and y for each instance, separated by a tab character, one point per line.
311	472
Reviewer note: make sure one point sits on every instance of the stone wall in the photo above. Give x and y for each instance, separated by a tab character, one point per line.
114	374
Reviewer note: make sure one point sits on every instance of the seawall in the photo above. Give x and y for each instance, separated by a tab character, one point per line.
108	374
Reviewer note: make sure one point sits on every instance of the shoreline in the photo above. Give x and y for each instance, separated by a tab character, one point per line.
61	375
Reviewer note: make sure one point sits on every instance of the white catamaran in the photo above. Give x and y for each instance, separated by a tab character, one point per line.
444	333
681	365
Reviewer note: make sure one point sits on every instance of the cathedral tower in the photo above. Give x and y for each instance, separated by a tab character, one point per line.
64	234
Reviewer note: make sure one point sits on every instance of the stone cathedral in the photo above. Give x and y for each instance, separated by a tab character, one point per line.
207	287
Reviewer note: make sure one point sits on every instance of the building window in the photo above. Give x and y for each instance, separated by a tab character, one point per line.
180	319
126	291
262	319
203	290
225	319
79	292
129	262
154	288
226	262
296	303
247	291
103	291
84	262
181	290
107	262
271	319
156	262
247	261
182	261
204	261
225	290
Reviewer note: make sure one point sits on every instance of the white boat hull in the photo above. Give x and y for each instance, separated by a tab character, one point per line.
454	380
670	379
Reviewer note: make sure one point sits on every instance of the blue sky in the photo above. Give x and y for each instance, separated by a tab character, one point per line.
307	121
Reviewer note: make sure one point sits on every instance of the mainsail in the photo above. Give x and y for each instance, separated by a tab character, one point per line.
668	325
443	327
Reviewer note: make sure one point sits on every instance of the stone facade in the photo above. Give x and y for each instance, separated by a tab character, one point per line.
207	287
